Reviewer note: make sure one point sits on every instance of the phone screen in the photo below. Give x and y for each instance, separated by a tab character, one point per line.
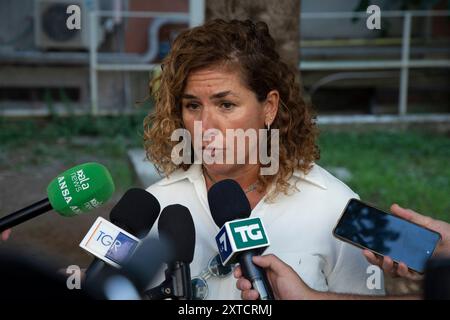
386	234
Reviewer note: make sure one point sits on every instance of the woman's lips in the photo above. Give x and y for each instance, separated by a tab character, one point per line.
212	151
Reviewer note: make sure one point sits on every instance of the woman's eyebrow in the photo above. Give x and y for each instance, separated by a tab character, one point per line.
214	96
219	95
188	96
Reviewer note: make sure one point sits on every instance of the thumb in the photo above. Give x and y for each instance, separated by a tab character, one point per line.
5	234
411	215
269	261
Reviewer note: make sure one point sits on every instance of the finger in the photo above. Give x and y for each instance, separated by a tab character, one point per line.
372	258
250	295
411	215
264	261
271	262
6	234
237	272
376	259
388	266
243	284
415	276
402	270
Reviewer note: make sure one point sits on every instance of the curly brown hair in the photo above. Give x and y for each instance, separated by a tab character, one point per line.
249	47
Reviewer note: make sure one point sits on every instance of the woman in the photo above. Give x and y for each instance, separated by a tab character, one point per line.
228	75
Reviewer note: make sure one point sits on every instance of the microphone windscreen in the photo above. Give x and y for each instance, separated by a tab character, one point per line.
80	189
227	202
145	262
176	227
136	212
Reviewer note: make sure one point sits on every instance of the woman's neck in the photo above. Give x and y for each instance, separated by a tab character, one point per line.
247	177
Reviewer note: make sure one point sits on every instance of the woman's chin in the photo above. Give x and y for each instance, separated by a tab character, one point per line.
218	169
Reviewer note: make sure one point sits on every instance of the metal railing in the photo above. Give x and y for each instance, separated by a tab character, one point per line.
196	17
403	64
95	66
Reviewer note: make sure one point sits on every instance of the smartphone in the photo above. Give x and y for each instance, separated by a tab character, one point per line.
386	235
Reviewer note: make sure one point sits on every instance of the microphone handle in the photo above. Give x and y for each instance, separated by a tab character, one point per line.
255	274
157	293
25	214
180	272
94	269
177	284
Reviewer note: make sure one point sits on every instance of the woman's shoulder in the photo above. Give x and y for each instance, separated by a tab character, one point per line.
320	194
323	181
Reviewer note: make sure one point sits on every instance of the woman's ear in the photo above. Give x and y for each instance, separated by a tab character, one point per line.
271	106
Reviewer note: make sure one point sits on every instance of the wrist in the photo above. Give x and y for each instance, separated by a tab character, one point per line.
312	294
442	250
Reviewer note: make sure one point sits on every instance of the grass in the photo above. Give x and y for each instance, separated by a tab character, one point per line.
410	168
72	141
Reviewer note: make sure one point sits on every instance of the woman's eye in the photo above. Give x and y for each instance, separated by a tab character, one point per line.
227	105
192	106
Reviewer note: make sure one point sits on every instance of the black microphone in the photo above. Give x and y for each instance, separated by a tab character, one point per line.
25	274
136	213
176	228
146	261
137	272
227	202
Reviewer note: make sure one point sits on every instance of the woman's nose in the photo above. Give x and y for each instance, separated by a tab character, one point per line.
207	118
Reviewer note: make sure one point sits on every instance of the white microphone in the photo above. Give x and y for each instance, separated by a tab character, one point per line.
109	243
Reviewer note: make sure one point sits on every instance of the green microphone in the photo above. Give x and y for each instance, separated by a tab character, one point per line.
77	190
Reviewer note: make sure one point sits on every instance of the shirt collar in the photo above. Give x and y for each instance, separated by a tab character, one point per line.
314	176
193	173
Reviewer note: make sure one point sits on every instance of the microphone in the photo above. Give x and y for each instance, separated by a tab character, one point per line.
145	262
131	280
176	228
79	189
240	237
114	242
25	275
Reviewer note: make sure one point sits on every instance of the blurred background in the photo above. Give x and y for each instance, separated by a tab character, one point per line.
382	97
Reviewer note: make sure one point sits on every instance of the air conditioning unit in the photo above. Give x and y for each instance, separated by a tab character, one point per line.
51	32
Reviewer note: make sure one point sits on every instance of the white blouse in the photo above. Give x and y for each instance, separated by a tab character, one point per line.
299	227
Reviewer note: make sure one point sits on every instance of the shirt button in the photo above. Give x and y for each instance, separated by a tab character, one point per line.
300	261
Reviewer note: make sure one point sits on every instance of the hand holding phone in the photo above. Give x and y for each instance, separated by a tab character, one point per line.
386	235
